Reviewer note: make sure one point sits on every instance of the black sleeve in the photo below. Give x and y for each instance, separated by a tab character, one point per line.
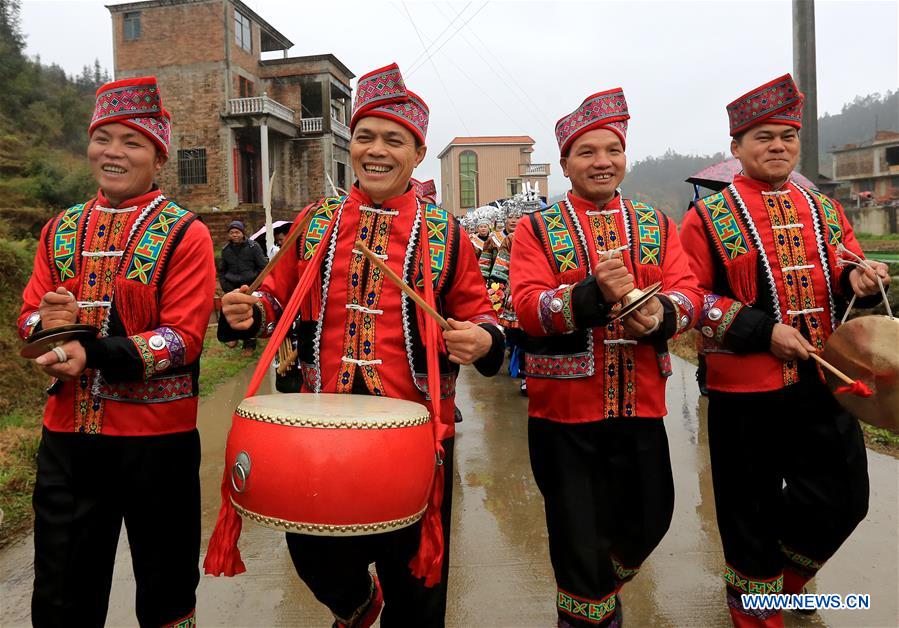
750	332
862	302
116	356
225	333
669	320
587	304
261	259
490	364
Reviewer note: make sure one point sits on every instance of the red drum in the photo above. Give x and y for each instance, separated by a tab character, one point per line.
330	465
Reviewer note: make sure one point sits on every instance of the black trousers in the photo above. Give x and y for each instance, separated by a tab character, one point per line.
336	568
86	486
790	478
609	498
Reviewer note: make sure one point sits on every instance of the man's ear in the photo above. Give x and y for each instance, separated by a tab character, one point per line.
420	153
735	148
564	163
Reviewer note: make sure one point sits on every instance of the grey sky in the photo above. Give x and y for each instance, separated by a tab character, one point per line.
516	67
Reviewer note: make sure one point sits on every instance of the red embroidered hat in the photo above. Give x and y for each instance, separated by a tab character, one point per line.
383	93
606	110
426	190
136	103
778	101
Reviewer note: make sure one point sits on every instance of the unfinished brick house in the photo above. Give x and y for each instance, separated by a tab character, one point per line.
240	122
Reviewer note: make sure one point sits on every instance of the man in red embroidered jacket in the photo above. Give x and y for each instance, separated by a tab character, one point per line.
119	439
788	464
360	335
596	388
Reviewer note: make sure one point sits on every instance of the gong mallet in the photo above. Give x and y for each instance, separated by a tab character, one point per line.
853	386
402	285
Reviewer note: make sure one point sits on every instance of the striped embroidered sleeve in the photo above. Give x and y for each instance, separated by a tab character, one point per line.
680	287
38	285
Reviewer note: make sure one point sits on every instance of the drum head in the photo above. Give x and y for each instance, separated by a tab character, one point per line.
333	411
867	349
44	340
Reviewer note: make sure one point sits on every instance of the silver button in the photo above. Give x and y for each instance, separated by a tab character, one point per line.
270	327
707	331
556	305
156	342
714	314
163	364
684	320
33	319
258	294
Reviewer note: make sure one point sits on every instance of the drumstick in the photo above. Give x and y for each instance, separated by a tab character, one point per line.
857	387
392	276
288	242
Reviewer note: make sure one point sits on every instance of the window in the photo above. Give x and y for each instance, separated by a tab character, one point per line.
245	87
132	26
513	187
892	155
242	34
192	166
468	179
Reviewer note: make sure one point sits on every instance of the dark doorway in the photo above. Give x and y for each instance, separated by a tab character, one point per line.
250	185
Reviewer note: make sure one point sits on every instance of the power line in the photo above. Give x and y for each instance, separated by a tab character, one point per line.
448	26
436	71
460	27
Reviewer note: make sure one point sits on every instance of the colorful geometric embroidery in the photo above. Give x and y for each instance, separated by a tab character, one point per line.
624	573
552	303
726	320
154	390
318	225
831	217
650	233
721	218
174	343
146	355
583	608
189	621
438	223
153	242
738	581
569	366
447	385
554	225
804	562
608	108
778	99
500	270
64	243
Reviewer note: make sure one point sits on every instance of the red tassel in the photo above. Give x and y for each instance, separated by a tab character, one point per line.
222	555
743	276
136	305
428	561
858	387
647	274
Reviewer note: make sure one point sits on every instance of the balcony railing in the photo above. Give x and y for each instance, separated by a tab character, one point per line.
311	125
525	170
340	129
260	105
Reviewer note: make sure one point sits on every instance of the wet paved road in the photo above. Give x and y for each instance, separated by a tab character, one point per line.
500	574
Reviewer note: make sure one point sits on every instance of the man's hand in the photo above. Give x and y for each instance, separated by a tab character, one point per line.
788	344
237	307
864	280
466	342
613	279
58	308
645	320
69	369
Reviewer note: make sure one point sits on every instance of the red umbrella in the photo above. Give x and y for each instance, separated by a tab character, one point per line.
720	175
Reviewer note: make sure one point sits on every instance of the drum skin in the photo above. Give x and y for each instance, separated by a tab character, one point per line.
330	465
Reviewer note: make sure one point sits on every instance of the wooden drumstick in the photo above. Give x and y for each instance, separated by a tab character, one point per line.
830	367
288	242
392	276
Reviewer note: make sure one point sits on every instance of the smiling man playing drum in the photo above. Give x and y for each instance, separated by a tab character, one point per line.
360	335
788	463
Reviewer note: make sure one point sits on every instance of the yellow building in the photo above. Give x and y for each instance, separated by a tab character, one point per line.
477	170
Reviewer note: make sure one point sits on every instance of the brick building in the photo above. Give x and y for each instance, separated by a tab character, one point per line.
866	177
477	170
240	122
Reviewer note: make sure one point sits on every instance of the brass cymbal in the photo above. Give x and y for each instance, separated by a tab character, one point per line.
44	340
636	298
867	349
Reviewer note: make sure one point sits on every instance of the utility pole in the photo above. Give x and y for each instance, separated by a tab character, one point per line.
806	77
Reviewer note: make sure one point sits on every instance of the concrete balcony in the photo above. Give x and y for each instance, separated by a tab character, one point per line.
340	129
533	170
253	111
310	126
